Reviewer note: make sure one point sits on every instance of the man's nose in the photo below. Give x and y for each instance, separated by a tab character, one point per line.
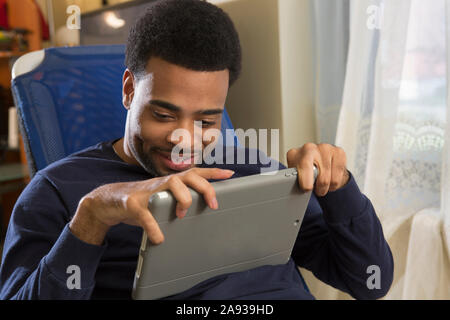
187	135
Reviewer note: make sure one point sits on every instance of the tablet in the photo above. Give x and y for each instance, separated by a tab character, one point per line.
257	223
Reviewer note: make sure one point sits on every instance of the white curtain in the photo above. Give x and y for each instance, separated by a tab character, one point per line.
393	127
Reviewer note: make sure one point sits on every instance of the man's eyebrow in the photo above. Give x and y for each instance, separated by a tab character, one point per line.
166	105
210	112
171	107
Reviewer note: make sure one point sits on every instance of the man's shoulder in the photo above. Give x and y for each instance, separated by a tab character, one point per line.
86	161
100	150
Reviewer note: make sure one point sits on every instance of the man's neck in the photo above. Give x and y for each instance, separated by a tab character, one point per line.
119	149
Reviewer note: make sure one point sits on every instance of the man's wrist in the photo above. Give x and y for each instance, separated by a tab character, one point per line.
343	204
345	178
86	227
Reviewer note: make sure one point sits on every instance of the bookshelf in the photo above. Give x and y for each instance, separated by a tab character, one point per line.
22	14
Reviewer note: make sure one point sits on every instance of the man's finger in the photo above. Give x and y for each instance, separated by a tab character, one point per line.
213	173
151	227
201	185
338	169
306	175
311	157
182	195
292	157
324	177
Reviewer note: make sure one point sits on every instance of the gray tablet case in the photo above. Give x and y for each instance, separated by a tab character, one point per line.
256	224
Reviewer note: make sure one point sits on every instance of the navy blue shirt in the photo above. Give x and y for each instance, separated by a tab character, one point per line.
340	237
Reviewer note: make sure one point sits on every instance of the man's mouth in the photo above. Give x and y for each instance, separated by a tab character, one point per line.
178	162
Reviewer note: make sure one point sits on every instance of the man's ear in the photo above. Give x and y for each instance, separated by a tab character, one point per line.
128	86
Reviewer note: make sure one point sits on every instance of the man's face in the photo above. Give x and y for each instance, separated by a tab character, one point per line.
167	98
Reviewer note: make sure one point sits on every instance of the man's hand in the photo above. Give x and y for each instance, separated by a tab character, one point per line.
330	162
127	202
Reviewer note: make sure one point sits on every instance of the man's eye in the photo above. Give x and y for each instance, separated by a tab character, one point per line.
162	116
206	124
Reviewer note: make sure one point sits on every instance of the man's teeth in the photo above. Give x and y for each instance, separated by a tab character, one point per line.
185	158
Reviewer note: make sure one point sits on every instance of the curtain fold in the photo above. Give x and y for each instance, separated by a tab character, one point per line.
445	191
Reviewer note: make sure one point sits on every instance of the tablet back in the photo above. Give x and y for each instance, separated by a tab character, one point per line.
256	224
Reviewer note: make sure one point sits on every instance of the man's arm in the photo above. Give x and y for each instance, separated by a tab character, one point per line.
341	241
39	249
45	246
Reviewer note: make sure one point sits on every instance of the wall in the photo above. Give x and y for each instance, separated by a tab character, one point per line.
297	74
43	5
254	101
60	6
276	88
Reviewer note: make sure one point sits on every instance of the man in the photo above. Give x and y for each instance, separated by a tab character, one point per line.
86	211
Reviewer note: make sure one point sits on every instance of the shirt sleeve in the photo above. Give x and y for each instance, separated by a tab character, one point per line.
42	259
341	242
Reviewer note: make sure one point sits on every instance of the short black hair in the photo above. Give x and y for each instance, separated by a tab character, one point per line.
193	34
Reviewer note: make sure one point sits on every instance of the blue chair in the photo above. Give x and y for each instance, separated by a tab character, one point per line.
69	99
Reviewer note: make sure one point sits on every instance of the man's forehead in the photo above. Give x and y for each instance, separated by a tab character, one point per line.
166	81
163	68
